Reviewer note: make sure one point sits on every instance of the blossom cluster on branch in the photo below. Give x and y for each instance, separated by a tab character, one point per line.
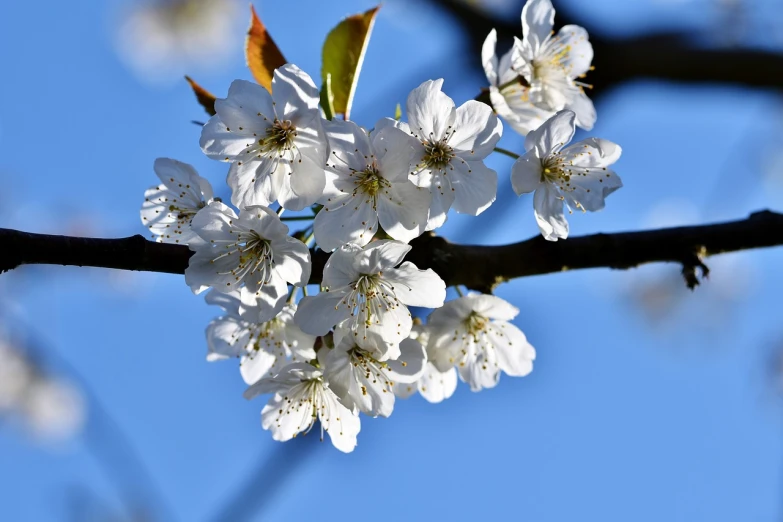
354	346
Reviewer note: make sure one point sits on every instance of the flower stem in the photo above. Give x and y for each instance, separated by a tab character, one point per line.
507	153
280	211
292	294
459	290
296	218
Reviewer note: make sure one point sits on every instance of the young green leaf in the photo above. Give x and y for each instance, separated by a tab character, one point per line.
327	98
261	53
343	54
203	96
398	112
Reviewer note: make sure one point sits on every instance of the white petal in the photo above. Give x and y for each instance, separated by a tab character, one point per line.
293	92
492	306
346	219
252	183
442	199
538	18
292	260
213	222
340	270
578	51
515	354
317	314
228	301
409	366
514	105
591	181
258	364
526	173
430	111
226	337
379	256
416	287
306	184
219	143
552	135
475	187
295	418
476	131
403	209
394	148
340	423
241	108
436	386
584	109
488	58
549	213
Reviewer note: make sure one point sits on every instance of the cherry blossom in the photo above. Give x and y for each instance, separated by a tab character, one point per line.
552	63
363	382
169	208
434	385
509	92
369	185
450	145
474	333
577	176
253	250
263	346
302	396
275	143
365	293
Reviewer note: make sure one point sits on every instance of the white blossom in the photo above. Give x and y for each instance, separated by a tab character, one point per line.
576	176
169	208
551	63
363	292
433	384
450	146
302	396
263	346
509	92
275	143
474	333
369	184
253	250
363	382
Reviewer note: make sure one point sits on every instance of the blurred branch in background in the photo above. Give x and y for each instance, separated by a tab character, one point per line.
64	407
477	267
267	479
664	55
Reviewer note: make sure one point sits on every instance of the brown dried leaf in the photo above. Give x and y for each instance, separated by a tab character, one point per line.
204	97
261	53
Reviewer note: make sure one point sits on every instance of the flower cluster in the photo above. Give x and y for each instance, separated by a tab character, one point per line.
353	346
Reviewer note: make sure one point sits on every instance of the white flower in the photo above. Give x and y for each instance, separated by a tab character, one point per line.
301	397
169	208
275	143
363	382
369	184
253	249
434	385
473	332
450	146
264	346
575	175
551	63
508	91
365	293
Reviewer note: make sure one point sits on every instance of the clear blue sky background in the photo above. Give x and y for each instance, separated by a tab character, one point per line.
647	402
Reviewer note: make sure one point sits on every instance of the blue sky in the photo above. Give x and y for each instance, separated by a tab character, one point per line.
647	402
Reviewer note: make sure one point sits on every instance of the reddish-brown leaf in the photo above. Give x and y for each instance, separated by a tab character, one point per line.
204	97
261	53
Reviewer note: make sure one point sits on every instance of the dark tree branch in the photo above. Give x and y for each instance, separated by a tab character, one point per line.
670	56
476	267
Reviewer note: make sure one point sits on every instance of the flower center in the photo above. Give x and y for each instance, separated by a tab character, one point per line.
279	137
437	155
476	324
184	215
370	181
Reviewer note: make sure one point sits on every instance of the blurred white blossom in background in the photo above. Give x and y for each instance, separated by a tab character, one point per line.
46	407
162	40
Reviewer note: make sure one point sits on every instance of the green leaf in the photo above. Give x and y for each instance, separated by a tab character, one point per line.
398	113
343	54
327	98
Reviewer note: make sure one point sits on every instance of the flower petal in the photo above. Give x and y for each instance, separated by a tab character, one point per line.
476	131
489	59
416	287
317	314
549	213
526	173
430	111
475	187
403	209
538	18
552	135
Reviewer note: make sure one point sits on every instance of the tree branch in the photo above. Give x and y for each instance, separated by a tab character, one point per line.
477	267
